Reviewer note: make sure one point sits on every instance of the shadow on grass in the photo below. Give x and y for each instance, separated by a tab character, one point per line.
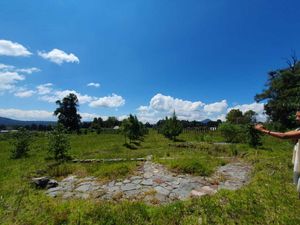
179	140
130	146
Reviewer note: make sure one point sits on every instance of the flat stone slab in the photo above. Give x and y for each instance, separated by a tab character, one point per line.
154	184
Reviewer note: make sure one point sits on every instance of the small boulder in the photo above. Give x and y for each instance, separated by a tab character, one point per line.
44	182
40	182
52	183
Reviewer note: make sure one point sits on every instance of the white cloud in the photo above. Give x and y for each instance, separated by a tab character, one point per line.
216	107
168	103
58	95
10	76
27	114
6	67
24	93
11	68
44	88
9	48
36	115
28	70
8	80
93	85
161	106
112	101
58	56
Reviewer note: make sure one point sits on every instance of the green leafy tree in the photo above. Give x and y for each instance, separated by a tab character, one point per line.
59	143
111	122
97	124
132	128
21	144
67	112
282	94
171	127
235	116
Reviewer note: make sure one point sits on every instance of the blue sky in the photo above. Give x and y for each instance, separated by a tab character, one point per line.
199	58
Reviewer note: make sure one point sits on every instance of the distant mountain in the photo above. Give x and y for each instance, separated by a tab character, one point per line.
12	122
205	121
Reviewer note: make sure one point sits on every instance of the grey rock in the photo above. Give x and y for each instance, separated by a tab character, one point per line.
70	179
162	190
83	188
128	187
55	189
147	182
67	195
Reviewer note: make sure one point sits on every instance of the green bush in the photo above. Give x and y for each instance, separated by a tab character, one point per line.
59	143
253	136
233	133
21	144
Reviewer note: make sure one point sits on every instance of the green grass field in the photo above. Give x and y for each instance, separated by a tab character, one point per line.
269	198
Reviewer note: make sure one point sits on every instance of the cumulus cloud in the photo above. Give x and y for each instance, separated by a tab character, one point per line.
9	48
24	93
48	94
112	101
168	103
216	107
8	80
161	106
58	95
58	56
93	85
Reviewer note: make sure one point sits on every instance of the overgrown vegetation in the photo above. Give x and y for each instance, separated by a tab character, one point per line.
59	143
239	128
270	197
21	143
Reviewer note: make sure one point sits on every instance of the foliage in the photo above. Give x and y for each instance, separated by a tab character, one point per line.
67	112
253	136
282	94
21	144
132	128
59	143
233	133
235	116
269	197
239	128
97	124
171	127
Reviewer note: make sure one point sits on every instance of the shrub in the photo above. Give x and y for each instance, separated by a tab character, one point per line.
253	137
59	143
233	133
21	144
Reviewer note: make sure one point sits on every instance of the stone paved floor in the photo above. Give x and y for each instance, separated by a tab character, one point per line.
154	184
